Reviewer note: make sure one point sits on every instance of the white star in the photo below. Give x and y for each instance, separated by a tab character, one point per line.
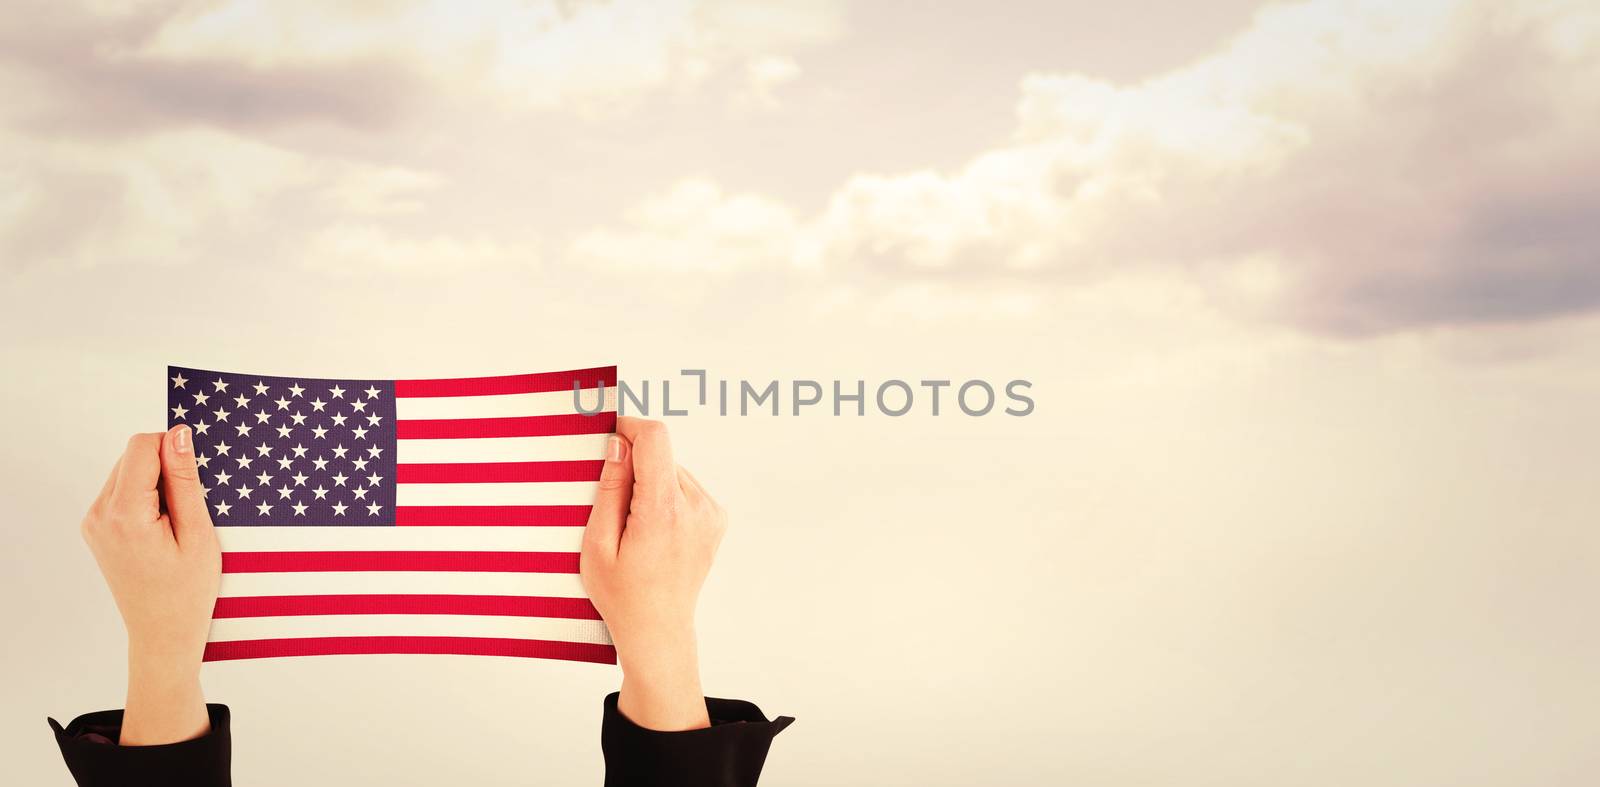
320	462
244	461
241	400
201	398
319	432
263	450
360	492
222	415
338	509
319	492
264	478
284	462
338	419
283	431
298	419
244	430
177	412
317	404
299	509
338	393
299	479
200	428
222	448
339	479
221	385
222	477
374	452
244	491
360	432
359	406
262	417
338	453
284	492
294	390
372	392
374	479
282	403
205	491
261	388
179	381
361	464
372	420
201	460
299	450
372	509
263	509
223	509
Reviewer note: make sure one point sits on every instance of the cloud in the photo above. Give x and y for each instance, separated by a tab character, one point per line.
694	227
763	77
1348	167
247	64
1353	167
369	248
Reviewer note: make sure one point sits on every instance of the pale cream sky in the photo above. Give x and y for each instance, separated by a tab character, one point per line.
1307	291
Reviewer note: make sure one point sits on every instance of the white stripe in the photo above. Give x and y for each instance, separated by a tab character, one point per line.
560	629
370	539
546	493
465	583
552	448
409	408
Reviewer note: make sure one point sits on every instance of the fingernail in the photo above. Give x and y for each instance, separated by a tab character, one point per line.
613	449
181	439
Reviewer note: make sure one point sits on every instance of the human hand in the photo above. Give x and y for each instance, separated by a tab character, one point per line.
650	541
151	533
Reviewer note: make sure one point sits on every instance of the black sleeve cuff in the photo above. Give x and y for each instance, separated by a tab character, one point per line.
89	745
729	753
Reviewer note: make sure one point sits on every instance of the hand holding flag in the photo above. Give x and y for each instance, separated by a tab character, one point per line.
152	536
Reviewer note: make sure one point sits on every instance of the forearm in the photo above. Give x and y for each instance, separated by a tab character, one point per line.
165	703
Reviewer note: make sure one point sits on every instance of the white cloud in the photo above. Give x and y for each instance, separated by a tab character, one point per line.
1347	166
764	75
694	227
542	54
1366	165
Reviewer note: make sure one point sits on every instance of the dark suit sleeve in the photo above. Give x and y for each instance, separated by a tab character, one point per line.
89	745
729	753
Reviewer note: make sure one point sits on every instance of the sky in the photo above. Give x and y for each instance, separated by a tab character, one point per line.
1307	291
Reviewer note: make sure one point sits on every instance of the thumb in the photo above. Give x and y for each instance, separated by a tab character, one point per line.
180	486
610	511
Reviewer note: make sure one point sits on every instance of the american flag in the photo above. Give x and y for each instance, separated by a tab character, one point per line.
400	516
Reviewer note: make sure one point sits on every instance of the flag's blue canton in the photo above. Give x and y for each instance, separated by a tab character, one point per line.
289	451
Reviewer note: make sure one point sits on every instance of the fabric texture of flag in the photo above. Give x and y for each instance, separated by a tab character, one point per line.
400	516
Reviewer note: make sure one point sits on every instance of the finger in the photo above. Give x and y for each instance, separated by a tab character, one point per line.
610	511
655	474
138	472
180	486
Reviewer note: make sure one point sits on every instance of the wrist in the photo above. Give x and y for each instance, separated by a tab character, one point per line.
164	662
661	682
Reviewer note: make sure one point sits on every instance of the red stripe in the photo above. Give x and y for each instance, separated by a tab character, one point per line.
374	604
521	562
498	472
522	426
513	516
509	384
467	646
